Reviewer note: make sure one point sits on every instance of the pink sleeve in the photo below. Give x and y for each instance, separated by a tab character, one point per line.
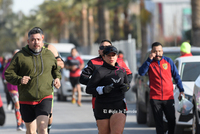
5	70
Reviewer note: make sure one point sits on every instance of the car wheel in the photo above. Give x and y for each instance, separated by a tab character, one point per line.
60	96
179	129
141	116
150	117
195	122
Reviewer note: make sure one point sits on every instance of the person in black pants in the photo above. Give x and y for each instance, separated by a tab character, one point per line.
10	103
160	70
109	82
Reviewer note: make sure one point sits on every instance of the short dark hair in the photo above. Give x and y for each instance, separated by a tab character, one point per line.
156	44
105	40
120	52
35	30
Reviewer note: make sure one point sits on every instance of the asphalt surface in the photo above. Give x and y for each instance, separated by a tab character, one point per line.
71	119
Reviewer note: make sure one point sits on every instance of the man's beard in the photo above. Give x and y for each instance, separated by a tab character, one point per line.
37	50
158	56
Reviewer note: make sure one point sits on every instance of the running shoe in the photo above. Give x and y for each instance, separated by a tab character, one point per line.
73	100
79	103
21	127
9	107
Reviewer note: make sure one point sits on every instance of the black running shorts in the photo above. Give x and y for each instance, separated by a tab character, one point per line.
106	110
74	81
31	112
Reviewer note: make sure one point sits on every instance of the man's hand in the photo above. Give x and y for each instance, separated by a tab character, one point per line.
124	87
180	96
152	55
108	88
25	79
57	83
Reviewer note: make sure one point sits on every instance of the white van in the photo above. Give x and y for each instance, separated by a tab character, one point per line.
64	49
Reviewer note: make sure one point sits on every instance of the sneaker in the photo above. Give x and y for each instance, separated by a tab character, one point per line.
9	107
79	103
21	127
73	101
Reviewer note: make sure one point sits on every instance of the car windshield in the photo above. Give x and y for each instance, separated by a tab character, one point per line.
64	54
85	61
172	55
190	71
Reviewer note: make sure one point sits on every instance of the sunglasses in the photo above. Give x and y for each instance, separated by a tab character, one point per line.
102	47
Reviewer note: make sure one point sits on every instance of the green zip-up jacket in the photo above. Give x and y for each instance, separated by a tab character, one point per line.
41	68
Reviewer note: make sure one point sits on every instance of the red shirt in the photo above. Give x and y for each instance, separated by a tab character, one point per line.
75	61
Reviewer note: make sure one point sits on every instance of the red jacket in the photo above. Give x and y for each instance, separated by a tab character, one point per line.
160	78
185	55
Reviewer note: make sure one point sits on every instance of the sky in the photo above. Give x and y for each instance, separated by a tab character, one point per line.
25	5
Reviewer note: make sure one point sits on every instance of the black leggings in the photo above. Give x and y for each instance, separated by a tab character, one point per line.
2	116
8	97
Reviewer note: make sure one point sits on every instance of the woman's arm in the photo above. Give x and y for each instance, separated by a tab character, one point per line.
93	83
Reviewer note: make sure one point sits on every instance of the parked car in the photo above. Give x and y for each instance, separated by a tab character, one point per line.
65	90
64	49
141	87
189	70
196	108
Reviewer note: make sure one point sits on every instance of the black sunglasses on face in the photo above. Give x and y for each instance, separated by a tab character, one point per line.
102	47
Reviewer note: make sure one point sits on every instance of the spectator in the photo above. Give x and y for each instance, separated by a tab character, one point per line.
160	70
185	49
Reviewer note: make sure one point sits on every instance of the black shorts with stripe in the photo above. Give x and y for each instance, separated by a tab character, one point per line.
31	112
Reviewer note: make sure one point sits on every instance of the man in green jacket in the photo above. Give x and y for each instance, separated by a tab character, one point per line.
33	70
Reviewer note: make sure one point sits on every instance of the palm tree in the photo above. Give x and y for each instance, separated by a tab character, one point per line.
195	22
84	25
103	21
91	27
144	19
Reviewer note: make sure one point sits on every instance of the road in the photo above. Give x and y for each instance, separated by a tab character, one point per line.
71	119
